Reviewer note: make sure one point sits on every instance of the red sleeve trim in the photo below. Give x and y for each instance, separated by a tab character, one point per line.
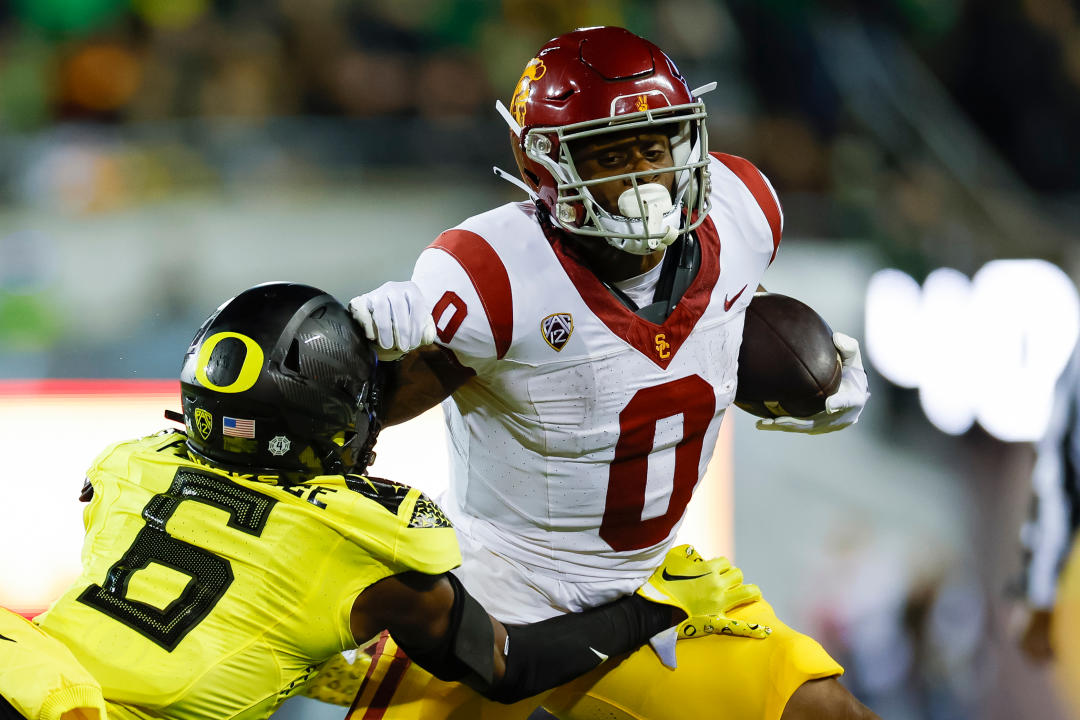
28	614
488	276
92	387
751	177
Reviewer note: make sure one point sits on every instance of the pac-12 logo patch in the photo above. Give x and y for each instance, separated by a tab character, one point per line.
557	329
204	423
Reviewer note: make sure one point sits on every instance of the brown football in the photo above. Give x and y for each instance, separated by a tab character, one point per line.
788	364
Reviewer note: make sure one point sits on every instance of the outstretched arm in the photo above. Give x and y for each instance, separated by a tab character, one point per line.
445	631
420	380
418	374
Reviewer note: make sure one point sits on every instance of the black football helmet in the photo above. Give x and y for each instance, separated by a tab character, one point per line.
280	380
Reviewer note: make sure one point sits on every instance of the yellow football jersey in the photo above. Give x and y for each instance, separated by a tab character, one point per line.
206	594
40	677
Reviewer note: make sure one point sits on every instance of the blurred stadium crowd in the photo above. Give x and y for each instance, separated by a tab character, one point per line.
844	102
940	131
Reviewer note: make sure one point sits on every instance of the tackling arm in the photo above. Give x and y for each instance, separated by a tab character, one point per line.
445	631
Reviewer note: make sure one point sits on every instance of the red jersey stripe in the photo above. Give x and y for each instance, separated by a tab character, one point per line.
757	186
488	275
389	685
376	654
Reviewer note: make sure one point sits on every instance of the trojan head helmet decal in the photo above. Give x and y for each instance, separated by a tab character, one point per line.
533	71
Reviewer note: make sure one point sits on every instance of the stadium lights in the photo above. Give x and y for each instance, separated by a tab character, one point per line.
988	349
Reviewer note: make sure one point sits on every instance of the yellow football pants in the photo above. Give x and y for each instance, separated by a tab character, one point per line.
718	676
1064	630
41	678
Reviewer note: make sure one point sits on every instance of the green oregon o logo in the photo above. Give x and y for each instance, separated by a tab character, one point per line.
249	373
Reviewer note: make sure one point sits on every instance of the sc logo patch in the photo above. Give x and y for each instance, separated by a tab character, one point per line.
557	329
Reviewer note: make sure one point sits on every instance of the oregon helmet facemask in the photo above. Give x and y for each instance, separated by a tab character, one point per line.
281	381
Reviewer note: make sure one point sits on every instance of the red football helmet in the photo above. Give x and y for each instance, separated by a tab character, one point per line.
601	80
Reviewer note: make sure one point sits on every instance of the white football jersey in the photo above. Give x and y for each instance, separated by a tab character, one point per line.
579	442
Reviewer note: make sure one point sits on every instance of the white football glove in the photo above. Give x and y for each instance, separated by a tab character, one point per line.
843	407
396	316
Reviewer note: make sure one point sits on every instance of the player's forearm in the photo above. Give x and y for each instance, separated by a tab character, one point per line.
550	653
419	381
456	640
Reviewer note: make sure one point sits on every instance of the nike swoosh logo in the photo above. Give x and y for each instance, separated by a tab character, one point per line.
728	303
599	654
669	577
5	637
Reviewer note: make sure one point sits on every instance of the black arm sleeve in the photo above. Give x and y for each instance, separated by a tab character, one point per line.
7	712
547	654
539	656
466	648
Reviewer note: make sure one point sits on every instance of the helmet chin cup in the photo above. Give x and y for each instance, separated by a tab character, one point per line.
645	246
646	212
566	213
648	200
651	202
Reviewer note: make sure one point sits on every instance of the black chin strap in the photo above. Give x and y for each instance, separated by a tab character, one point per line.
680	266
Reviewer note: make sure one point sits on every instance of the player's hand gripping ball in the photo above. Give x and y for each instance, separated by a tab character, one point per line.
706	590
795	372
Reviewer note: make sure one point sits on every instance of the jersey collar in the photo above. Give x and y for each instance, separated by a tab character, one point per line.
659	343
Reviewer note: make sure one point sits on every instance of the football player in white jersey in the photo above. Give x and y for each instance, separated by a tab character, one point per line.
587	347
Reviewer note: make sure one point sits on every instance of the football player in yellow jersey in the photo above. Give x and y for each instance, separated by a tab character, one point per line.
224	565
